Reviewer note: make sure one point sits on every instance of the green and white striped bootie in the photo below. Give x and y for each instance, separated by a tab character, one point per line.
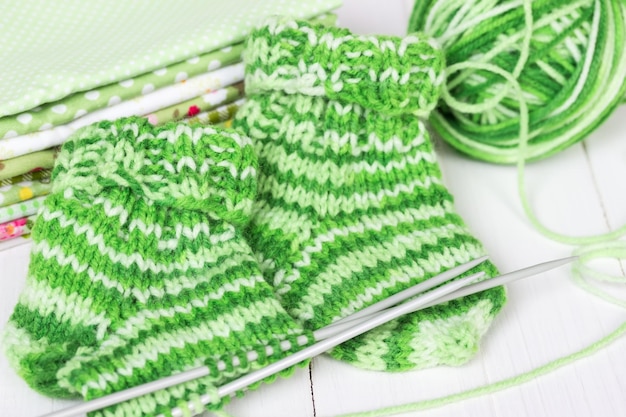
139	269
351	205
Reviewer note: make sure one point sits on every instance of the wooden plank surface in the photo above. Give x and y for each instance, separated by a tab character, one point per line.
579	191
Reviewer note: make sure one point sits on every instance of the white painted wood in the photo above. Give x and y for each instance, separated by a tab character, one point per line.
579	191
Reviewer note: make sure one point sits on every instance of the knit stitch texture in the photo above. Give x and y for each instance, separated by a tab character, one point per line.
351	205
139	269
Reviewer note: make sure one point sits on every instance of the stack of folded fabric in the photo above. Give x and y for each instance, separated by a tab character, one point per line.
67	66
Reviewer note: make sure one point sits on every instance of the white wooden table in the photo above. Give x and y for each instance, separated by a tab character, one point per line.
579	191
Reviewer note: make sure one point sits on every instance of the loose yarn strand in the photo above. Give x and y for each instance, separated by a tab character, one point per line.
572	240
605	245
500	385
583	274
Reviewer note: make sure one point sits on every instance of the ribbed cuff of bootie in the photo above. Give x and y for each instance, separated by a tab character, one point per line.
191	168
388	74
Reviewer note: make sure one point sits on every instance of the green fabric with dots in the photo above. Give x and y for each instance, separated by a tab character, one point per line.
52	50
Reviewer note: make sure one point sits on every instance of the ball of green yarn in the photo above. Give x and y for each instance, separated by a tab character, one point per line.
572	73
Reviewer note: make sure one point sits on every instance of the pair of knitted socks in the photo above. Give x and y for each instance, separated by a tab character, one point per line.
161	249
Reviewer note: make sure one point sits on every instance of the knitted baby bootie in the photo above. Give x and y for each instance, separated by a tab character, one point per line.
139	269
351	205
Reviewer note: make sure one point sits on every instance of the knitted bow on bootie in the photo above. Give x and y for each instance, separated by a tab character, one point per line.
139	270
351	206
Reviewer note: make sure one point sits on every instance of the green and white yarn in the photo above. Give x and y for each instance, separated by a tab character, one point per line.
571	71
139	269
351	207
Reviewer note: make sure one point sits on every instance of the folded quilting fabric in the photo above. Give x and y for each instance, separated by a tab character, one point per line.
196	105
16	228
42	174
21	209
143	105
35	184
23	191
105	41
16	241
219	115
20	165
78	104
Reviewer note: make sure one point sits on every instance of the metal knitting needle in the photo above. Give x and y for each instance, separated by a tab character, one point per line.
200	372
349	321
444	293
245	381
346	323
410	292
361	325
504	279
334	340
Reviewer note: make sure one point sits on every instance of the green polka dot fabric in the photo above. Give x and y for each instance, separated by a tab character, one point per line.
22	209
51	50
23	191
79	104
135	106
